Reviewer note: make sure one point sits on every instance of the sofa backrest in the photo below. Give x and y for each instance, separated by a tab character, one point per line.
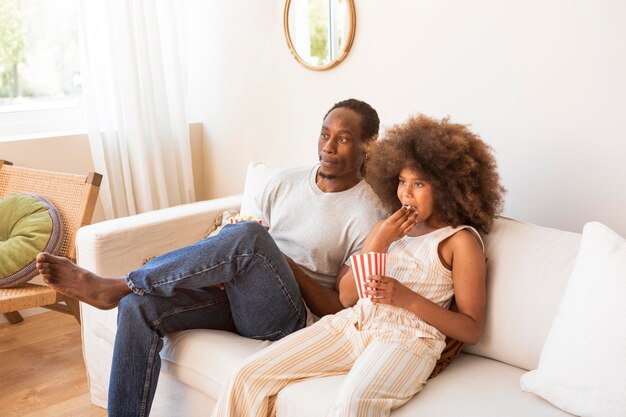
527	270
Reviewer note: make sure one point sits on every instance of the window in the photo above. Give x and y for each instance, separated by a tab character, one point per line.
40	84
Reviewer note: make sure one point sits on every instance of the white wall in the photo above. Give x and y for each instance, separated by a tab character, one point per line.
542	81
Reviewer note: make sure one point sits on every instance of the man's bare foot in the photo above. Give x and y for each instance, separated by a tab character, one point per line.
68	278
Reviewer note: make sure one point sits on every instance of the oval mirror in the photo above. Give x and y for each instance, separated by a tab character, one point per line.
319	32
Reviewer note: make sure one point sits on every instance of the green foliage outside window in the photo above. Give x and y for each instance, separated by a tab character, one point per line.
11	47
38	50
318	21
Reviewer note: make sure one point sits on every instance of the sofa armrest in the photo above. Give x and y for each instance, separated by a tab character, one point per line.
113	248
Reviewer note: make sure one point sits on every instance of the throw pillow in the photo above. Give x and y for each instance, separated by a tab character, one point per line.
256	178
450	352
29	224
220	221
582	366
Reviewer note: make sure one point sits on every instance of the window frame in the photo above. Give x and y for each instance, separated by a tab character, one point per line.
32	123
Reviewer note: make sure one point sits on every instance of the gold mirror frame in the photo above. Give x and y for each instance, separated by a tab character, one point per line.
345	48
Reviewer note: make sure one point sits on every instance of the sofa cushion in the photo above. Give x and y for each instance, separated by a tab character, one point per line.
205	359
29	224
527	271
583	362
471	386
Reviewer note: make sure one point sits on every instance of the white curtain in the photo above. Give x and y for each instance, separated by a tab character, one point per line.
132	67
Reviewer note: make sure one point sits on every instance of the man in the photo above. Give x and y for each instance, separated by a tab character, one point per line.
244	279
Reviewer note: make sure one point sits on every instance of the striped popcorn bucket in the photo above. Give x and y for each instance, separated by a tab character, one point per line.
366	264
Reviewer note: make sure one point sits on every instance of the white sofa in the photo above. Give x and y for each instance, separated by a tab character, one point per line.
528	269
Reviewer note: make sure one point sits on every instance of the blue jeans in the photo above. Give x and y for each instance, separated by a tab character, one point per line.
173	292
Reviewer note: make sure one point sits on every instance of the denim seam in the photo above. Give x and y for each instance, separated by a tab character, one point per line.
146	385
270	336
280	280
184	309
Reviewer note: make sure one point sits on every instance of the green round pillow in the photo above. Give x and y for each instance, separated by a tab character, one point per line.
29	224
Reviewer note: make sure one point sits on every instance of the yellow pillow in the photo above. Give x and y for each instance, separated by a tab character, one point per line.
29	224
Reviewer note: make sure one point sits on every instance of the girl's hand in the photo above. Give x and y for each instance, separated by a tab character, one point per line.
395	227
387	290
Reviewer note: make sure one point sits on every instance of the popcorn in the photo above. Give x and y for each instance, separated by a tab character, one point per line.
364	265
244	218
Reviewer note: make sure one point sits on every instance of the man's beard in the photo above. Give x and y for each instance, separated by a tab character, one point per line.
326	176
322	175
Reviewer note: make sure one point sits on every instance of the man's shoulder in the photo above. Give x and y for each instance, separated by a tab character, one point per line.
365	192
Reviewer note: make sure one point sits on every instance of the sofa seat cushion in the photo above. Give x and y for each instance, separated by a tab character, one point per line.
471	386
205	359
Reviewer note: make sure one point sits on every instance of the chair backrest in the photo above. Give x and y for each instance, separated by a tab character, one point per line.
74	196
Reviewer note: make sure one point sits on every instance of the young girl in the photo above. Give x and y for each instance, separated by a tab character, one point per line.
440	181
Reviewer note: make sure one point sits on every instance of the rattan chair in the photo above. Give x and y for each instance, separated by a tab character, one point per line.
74	197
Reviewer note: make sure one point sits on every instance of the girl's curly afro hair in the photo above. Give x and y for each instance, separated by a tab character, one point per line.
457	163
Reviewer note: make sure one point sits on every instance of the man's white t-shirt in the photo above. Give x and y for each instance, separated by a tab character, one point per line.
318	230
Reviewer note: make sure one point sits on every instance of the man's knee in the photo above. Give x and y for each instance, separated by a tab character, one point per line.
133	305
247	230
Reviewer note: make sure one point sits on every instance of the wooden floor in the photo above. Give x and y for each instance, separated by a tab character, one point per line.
42	372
